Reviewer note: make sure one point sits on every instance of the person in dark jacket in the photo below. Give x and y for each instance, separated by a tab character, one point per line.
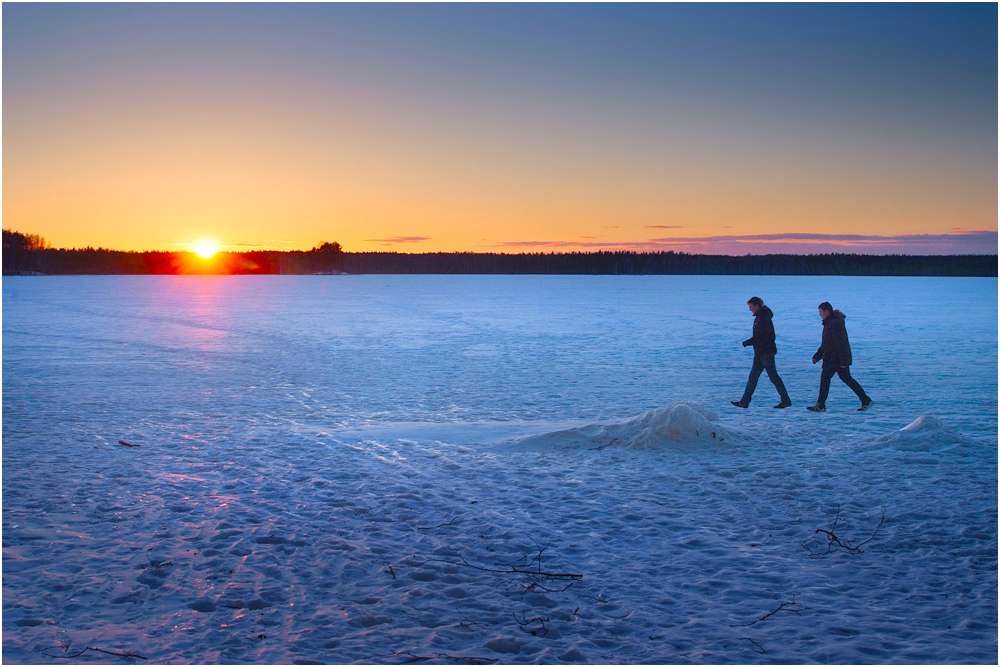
835	352
764	350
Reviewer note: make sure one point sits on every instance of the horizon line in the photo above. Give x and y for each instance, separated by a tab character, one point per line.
542	252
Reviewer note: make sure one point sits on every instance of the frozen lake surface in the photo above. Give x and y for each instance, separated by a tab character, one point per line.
478	469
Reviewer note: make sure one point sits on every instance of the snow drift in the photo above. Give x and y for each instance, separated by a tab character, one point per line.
684	423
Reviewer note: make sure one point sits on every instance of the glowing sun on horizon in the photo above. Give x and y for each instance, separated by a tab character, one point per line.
205	249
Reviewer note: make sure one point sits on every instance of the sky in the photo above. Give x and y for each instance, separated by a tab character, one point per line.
703	128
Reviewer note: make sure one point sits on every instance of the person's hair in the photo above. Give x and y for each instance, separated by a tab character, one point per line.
826	306
756	300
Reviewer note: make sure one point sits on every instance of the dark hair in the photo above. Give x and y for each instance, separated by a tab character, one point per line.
756	300
826	306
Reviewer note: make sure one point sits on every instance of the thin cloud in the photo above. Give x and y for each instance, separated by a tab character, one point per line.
539	244
400	239
664	227
962	243
611	245
837	239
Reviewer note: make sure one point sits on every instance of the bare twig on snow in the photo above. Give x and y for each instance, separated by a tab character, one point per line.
526	624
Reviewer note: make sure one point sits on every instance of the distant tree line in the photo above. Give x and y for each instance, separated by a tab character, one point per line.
671	263
27	253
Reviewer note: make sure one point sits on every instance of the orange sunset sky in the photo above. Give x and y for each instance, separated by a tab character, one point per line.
503	128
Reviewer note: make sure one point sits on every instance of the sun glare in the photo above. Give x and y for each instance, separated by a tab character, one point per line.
205	249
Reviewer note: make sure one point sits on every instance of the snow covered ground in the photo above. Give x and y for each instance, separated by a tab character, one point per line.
456	469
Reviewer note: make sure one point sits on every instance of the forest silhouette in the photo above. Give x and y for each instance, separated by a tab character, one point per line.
29	254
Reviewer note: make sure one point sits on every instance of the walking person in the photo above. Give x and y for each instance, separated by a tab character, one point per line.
835	351
764	350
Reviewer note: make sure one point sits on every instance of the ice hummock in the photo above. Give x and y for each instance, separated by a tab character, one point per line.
684	423
923	434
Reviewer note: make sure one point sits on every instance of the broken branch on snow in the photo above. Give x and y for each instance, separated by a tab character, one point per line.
759	649
792	606
832	540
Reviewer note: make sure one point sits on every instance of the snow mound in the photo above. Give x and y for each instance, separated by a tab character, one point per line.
684	423
923	434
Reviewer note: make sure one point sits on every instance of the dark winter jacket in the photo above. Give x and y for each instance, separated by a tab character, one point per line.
835	351
763	333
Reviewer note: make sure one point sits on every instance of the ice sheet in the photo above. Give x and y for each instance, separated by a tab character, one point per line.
455	469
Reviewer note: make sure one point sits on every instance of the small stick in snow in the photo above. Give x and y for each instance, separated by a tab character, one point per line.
474	658
412	656
157	564
538	584
392	572
101	650
761	651
443	525
511	570
600	447
127	444
784	606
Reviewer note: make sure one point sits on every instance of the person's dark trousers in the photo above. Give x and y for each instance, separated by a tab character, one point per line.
845	374
762	362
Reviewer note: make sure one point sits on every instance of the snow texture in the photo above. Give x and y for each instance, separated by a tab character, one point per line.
503	469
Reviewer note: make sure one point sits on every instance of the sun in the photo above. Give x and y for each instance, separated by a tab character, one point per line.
205	249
